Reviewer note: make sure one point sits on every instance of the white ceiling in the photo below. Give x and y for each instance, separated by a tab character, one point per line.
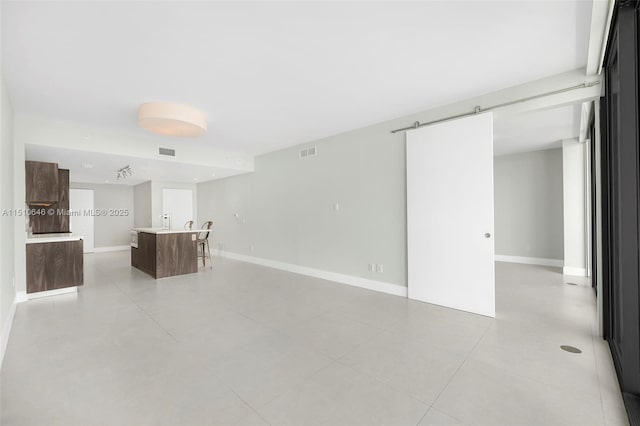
271	75
536	130
93	167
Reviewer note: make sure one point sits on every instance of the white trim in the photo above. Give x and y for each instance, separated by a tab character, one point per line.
21	296
6	329
380	286
111	248
530	260
55	292
577	272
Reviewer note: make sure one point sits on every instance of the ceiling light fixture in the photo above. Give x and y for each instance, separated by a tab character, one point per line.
124	172
172	119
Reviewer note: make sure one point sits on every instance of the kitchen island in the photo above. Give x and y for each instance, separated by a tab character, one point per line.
163	252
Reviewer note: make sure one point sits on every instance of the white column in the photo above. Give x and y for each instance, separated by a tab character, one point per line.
573	181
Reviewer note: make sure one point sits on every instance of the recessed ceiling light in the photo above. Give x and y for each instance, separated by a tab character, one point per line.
87	166
213	174
172	119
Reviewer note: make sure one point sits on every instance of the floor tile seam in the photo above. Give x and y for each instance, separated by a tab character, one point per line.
276	327
424	415
554	386
384	382
361	344
147	314
248	405
598	372
464	361
302	380
326	353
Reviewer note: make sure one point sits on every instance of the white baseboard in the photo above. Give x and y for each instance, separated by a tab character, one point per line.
6	330
530	260
55	292
21	296
380	286
576	272
111	248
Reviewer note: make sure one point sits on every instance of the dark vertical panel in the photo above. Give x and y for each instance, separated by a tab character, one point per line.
176	254
41	182
36	268
621	203
595	217
57	218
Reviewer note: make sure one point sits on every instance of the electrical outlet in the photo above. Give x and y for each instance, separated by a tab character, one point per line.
251	247
379	267
371	267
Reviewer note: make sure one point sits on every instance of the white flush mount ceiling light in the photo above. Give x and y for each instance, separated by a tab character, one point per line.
172	119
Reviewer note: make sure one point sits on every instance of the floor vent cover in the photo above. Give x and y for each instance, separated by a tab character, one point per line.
571	349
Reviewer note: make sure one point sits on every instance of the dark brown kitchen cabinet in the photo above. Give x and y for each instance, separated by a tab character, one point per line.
55	218
41	181
54	265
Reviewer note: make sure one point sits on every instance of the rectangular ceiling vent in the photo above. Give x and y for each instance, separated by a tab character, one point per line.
309	152
167	151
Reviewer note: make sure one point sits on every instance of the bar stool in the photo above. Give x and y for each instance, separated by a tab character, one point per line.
188	225
203	240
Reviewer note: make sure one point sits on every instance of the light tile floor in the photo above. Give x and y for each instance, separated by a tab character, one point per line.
241	344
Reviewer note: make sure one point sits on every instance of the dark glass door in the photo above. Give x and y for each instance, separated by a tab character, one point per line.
620	197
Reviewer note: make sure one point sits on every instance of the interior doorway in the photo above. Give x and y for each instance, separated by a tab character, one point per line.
81	220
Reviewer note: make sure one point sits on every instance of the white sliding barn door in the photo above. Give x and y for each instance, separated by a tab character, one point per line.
450	214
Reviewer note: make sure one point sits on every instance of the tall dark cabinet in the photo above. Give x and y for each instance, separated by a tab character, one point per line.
54	217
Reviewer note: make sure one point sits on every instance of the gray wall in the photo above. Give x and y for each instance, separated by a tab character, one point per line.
142	205
286	207
528	204
7	235
110	231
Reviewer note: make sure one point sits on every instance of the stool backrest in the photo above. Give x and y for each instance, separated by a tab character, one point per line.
205	234
188	225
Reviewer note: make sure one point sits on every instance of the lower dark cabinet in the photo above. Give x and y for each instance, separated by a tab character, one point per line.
54	265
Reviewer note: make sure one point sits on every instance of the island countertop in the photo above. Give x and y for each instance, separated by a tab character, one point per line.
168	231
52	238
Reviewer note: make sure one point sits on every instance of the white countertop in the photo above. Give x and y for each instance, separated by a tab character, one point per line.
168	231
52	238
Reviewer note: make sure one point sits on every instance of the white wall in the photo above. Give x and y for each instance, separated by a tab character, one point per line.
142	205
110	230
286	207
7	229
528	204
573	155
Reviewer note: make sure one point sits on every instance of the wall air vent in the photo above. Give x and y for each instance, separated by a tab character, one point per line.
167	151
309	152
